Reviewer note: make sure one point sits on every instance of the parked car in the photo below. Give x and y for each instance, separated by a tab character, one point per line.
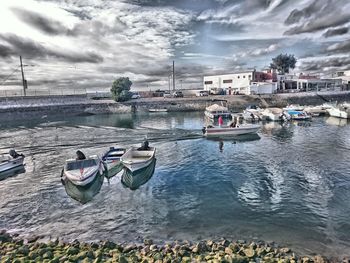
217	91
178	94
135	95
202	93
167	94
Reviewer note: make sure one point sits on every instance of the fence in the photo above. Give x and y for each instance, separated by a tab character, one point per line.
42	92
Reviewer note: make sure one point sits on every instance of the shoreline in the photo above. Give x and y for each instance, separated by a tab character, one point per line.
16	249
39	107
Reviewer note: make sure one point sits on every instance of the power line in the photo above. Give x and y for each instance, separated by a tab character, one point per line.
9	76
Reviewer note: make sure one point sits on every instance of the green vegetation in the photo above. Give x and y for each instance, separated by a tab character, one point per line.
283	62
121	89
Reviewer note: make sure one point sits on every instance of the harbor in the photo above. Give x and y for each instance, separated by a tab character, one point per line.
272	177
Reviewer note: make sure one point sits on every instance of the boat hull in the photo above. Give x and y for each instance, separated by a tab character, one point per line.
338	113
11	164
228	131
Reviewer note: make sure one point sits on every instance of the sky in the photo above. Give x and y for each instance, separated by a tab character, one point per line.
89	43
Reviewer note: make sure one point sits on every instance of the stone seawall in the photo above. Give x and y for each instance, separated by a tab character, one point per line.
37	107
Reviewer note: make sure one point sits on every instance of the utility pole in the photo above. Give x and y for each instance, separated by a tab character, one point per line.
173	75
24	81
169	78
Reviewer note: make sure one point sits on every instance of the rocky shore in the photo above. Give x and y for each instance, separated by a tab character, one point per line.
14	249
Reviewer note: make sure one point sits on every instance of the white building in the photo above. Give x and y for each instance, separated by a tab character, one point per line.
232	83
262	88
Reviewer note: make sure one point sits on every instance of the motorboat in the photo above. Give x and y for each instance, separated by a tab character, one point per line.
230	130
341	111
298	115
83	171
11	161
215	110
112	160
252	113
315	111
158	110
83	194
134	180
275	114
294	107
137	158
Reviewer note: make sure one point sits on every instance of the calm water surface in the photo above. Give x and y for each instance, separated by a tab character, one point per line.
290	184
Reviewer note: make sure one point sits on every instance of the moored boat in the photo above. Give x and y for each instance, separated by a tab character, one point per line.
83	171
215	110
275	114
252	113
137	158
112	160
134	180
11	161
298	115
158	110
230	130
341	111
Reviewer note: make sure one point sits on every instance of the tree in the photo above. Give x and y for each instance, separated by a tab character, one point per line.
283	62
120	89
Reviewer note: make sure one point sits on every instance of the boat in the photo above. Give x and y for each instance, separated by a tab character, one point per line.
298	115
158	110
12	172
83	171
252	113
134	180
112	160
275	114
315	111
230	130
11	161
294	107
137	158
82	194
215	110
341	111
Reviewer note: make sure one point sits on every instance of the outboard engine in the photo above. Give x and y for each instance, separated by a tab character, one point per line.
13	154
80	155
204	130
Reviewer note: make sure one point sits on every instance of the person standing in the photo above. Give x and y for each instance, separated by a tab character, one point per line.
220	121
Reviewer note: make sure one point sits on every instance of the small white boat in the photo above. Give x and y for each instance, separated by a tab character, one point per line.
217	131
83	172
134	180
214	111
11	161
158	110
294	107
275	114
342	111
315	110
298	115
112	160
137	158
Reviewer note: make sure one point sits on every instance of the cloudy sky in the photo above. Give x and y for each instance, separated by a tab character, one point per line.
89	43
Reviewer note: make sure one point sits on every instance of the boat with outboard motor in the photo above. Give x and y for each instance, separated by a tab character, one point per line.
215	110
341	111
82	171
233	128
275	114
134	180
137	158
10	161
298	115
112	160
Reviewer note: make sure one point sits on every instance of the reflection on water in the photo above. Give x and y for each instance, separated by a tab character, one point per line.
337	121
86	193
12	172
134	180
289	184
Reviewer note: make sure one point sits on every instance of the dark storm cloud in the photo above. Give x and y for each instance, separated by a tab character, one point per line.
30	49
296	15
336	32
319	24
318	15
318	65
42	23
341	47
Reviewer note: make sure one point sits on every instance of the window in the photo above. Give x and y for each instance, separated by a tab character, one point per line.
227	81
208	82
